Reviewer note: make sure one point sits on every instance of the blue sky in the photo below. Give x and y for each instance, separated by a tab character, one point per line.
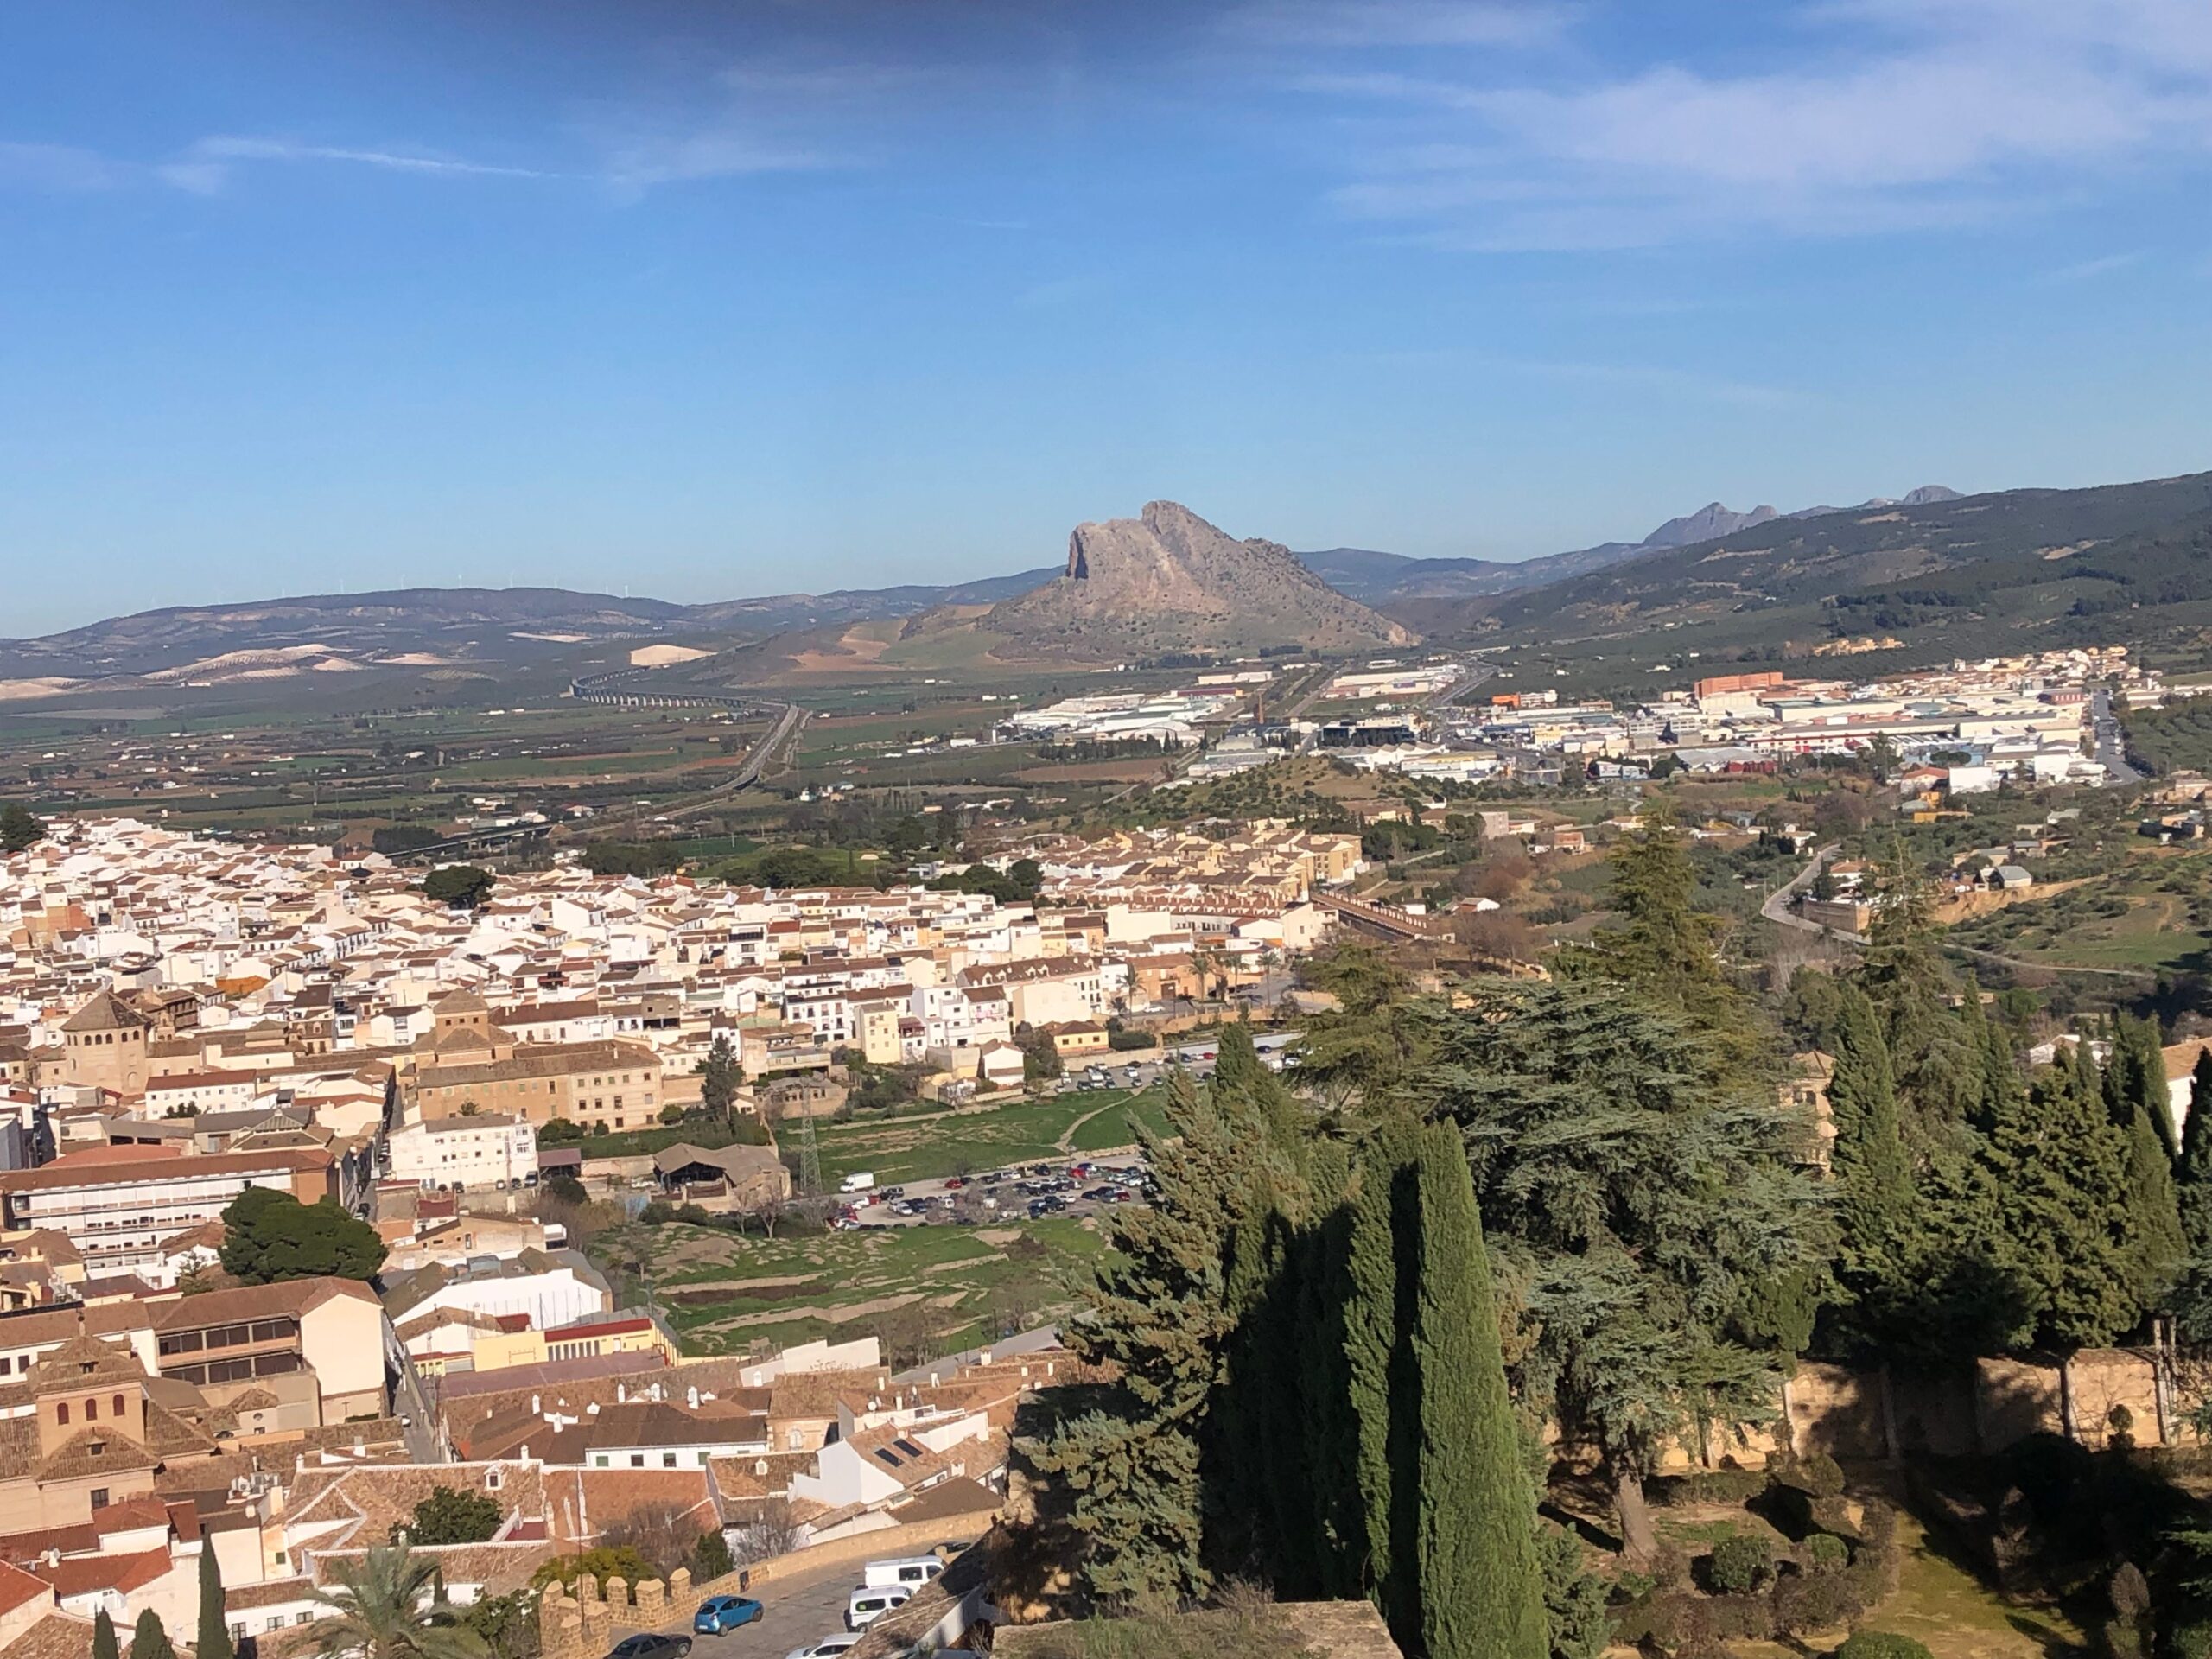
702	299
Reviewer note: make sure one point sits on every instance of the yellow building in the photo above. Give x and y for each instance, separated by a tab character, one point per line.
507	1349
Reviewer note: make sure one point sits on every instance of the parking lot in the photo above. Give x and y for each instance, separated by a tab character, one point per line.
1074	1186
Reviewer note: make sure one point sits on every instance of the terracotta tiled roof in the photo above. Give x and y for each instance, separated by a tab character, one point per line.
105	1012
597	1498
289	1298
57	1635
18	1587
21	1547
77	1576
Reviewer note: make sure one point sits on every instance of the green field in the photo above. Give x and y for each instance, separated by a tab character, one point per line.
925	1146
929	1290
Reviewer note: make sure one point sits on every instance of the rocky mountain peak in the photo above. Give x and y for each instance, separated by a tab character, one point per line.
1169	581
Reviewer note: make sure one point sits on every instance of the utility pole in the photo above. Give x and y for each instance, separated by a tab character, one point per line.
810	1157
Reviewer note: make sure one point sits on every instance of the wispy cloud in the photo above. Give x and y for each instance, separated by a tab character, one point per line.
1881	115
205	166
639	163
2089	270
56	168
779	112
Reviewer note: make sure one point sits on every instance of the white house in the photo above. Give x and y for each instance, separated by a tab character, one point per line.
466	1151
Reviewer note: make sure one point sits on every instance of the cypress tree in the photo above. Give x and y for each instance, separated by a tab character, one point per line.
1371	1331
214	1641
1875	1201
1332	1433
2058	1169
1479	1589
104	1643
2193	1176
2156	1242
149	1639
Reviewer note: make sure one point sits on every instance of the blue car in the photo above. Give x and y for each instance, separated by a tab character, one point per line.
721	1613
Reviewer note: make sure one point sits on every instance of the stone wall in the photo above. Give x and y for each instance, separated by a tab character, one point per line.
583	1624
2099	1396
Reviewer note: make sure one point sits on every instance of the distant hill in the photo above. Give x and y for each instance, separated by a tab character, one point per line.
487	626
2012	570
1170	582
1379	579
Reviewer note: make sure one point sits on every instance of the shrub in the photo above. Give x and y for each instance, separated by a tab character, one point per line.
1740	1563
1820	1475
2192	1640
1822	1601
1825	1553
1711	1487
1882	1644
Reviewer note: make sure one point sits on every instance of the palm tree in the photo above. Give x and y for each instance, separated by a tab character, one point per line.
391	1605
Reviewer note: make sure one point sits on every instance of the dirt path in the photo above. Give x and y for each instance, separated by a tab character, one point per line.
1066	1142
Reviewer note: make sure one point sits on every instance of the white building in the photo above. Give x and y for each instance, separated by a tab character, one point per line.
465	1152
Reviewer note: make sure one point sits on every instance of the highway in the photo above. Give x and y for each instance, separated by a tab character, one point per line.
787	725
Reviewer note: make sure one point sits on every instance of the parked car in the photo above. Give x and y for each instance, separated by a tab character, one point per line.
871	1602
720	1613
909	1570
828	1648
648	1644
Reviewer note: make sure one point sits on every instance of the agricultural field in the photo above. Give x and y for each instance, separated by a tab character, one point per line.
924	1290
924	1147
340	778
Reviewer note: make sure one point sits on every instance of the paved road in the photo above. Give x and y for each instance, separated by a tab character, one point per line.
2111	747
800	1613
1777	911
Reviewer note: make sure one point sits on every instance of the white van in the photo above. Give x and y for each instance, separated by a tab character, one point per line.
859	1180
871	1602
911	1571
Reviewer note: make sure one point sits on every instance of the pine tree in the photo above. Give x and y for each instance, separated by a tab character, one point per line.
1667	948
1480	1592
2193	1176
1649	1203
1159	1319
214	1640
104	1645
149	1639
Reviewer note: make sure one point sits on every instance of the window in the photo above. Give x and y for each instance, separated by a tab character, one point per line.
668	1460
99	1497
601	1461
637	1460
116	1405
492	1480
302	1618
92	1410
62	1414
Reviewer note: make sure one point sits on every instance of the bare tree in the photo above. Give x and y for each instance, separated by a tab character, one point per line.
773	1532
665	1533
